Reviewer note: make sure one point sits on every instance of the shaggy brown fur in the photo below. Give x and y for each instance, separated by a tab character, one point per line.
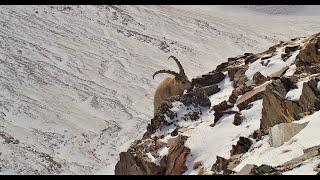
171	86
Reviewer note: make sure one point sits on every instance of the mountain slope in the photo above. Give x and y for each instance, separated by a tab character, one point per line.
76	85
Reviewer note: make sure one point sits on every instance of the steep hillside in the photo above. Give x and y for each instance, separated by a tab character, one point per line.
263	119
76	83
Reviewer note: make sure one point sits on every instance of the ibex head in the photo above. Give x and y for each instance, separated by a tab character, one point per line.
181	80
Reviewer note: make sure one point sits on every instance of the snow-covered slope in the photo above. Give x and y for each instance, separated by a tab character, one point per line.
75	81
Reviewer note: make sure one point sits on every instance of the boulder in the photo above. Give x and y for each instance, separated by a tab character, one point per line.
220	165
177	156
210	90
309	55
242	146
259	79
277	109
281	133
237	119
209	78
248	169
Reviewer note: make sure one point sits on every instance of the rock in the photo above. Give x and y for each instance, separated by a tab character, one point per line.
221	106
266	57
277	109
219	110
210	90
258	78
132	165
289	82
177	156
290	49
209	79
266	170
273	105
196	165
174	132
253	95
221	67
240	78
309	55
233	97
251	58
281	133
258	134
237	119
248	169
242	146
220	164
279	73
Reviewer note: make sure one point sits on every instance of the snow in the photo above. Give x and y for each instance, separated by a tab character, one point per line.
307	168
306	138
275	65
294	94
291	70
77	84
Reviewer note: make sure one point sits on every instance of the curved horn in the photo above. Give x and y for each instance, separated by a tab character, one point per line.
179	65
165	71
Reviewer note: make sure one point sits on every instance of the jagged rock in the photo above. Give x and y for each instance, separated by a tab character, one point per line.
210	90
266	57
266	170
279	73
134	162
281	133
239	78
221	67
253	95
209	79
220	164
290	49
242	146
219	110
258	78
258	134
289	82
237	119
196	165
310	55
251	58
273	105
197	97
276	109
174	132
248	169
177	156
233	97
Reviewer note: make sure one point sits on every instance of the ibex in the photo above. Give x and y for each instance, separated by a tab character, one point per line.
171	86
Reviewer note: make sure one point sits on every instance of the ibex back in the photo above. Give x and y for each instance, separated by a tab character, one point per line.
171	86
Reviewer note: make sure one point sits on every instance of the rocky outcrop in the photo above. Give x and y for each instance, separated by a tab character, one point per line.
196	98
242	146
281	133
310	55
136	161
174	162
208	79
277	109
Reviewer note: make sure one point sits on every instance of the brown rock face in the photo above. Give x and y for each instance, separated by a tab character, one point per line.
177	156
209	79
135	161
310	55
220	164
276	109
242	146
258	78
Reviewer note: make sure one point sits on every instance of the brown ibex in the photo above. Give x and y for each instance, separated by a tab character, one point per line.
171	86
